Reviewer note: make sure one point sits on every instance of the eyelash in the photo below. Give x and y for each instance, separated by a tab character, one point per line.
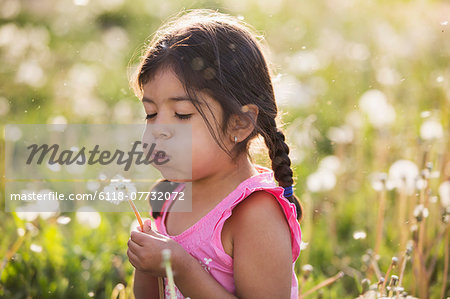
180	116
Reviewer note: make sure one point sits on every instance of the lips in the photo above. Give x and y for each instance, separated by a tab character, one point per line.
153	155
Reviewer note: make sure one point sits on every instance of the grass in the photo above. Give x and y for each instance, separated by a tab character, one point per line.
376	223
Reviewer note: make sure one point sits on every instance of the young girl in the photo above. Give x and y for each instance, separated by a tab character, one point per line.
242	238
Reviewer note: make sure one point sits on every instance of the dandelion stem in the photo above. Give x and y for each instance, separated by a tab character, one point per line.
380	221
446	261
323	284
161	287
421	271
136	212
308	225
391	266
422	223
402	214
169	273
374	264
404	261
11	252
118	291
435	246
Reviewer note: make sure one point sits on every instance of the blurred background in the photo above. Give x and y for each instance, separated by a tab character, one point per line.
364	94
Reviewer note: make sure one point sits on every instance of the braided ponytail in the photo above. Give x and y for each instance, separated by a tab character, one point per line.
279	154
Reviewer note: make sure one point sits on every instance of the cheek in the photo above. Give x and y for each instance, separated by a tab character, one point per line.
205	150
201	139
202	147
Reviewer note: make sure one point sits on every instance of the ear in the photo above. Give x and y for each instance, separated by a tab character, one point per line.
242	126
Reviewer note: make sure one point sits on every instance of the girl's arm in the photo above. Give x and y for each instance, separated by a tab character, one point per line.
195	282
262	255
144	253
189	276
262	248
145	285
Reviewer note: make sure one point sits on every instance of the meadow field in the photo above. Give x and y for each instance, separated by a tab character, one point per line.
364	94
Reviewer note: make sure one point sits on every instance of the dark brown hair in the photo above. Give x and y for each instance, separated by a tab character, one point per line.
220	55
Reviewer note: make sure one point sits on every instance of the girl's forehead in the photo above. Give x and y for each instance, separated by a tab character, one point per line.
166	85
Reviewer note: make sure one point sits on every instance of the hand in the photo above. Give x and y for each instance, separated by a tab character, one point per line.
144	251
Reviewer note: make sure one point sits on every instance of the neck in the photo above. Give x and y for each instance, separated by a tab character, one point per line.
213	188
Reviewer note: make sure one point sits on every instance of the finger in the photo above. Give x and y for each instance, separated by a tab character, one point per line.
147	226
132	258
147	239
134	247
148	231
139	237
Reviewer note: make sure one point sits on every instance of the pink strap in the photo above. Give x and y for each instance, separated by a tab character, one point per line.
164	211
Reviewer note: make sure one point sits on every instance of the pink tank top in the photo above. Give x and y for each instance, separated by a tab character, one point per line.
203	239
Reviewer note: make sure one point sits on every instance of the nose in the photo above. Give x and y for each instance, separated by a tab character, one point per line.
161	125
155	134
160	131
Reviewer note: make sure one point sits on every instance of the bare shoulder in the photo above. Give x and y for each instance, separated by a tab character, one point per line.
260	208
261	245
259	213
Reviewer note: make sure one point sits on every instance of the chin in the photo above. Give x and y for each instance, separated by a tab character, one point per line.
175	175
180	180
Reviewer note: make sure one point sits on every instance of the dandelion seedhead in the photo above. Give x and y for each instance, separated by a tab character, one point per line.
394	261
394	280
365	283
444	194
446	215
165	255
425	173
119	189
359	235
420	212
381	280
392	285
378	181
307	269
402	175
409	248
366	259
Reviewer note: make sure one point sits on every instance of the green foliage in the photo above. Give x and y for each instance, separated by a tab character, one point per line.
62	62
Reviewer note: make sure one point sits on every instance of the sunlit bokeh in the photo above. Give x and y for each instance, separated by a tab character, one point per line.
363	89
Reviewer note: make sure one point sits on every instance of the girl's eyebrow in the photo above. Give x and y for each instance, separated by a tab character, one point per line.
174	99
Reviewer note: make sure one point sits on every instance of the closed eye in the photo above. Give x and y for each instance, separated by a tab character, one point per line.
180	116
183	116
149	116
